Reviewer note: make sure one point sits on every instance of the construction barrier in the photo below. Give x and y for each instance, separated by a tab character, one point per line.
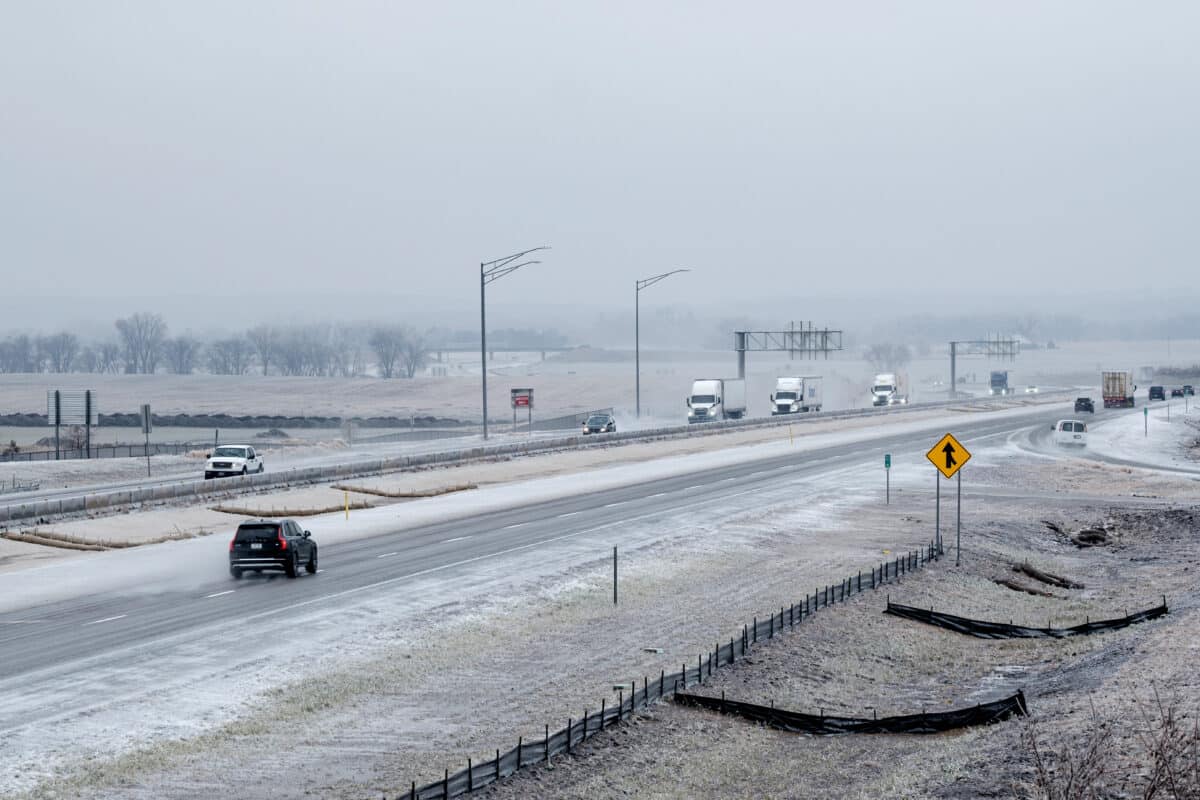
1000	630
796	722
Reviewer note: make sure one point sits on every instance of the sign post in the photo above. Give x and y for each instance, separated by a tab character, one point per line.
147	427
887	471
522	398
72	407
948	455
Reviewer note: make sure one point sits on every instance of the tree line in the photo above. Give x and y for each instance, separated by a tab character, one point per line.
143	345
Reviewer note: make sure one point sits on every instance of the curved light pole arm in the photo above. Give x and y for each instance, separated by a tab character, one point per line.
637	331
490	271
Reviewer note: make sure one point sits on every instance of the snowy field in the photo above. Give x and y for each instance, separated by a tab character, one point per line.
563	385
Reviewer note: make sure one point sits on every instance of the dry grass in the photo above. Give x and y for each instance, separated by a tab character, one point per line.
356	505
407	495
69	542
1160	760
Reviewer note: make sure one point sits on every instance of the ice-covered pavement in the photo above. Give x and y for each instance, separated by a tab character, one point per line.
172	564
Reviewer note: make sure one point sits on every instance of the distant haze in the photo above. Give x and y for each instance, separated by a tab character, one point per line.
834	162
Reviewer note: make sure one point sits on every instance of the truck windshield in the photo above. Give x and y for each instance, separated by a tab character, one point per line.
883	389
703	398
785	395
229	452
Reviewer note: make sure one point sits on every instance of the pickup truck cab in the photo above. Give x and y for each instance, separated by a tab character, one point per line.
232	459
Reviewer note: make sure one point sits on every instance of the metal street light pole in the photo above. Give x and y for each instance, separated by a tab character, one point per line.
637	330
490	271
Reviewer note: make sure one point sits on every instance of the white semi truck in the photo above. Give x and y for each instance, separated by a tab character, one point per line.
794	394
889	389
717	398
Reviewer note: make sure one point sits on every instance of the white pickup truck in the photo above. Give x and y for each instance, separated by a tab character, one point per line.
232	459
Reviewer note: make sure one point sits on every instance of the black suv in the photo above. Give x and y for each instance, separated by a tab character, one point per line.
1157	393
1084	404
269	544
1188	391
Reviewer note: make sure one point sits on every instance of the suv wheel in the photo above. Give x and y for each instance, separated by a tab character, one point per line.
235	572
311	566
290	567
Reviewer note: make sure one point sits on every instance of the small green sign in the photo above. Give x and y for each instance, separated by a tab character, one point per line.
1146	411
887	460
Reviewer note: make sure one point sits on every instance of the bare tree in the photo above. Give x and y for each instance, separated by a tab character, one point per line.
340	347
142	334
16	354
296	352
415	355
108	357
59	350
388	344
88	360
229	356
265	341
888	356
181	353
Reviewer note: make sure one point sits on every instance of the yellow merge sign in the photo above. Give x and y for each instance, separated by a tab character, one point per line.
948	455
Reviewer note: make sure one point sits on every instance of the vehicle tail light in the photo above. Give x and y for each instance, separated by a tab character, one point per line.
282	541
231	541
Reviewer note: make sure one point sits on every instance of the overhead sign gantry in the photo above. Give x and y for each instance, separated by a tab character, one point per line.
807	341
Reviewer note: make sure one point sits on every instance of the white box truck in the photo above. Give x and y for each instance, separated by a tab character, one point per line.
717	398
795	394
889	389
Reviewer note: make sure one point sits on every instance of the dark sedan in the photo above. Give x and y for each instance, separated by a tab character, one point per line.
265	544
600	423
1084	404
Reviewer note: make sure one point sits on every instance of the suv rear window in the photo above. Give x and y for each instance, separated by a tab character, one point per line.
259	532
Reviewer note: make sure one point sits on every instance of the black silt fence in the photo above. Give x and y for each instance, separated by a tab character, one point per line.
101	451
1001	630
651	689
820	724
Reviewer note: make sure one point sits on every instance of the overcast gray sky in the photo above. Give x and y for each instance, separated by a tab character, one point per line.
778	149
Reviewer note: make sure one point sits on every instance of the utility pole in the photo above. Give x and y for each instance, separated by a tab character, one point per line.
490	271
637	332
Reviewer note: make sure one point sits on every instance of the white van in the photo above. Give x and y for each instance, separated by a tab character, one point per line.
1070	432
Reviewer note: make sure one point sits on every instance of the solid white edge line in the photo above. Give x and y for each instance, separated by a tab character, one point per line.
106	619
